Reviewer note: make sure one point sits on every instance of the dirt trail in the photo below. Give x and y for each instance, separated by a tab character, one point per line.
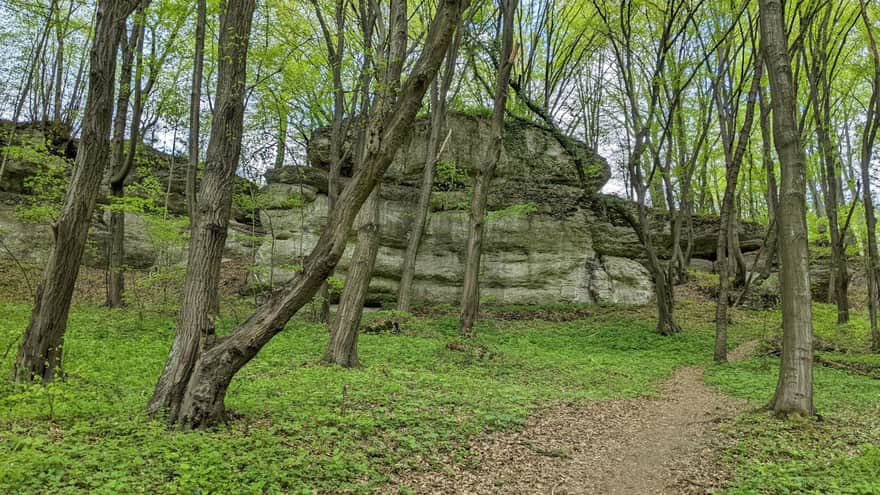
665	445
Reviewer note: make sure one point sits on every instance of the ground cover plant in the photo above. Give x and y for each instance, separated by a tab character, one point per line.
298	426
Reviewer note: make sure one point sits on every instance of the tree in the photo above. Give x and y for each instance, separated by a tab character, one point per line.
869	135
39	356
342	348
195	109
794	390
735	147
199	385
482	181
208	235
436	144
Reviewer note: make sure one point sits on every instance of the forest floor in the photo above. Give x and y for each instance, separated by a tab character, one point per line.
552	399
668	444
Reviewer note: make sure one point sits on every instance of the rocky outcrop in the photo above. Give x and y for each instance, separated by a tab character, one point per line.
548	238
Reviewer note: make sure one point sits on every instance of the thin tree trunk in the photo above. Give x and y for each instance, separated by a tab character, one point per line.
195	111
115	254
439	95
470	298
868	137
195	327
40	354
727	224
772	188
794	391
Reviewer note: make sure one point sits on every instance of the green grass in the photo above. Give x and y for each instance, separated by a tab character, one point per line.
837	453
301	427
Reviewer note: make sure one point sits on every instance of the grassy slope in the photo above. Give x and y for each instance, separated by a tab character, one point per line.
301	426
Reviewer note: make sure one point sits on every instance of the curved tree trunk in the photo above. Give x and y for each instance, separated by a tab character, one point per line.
794	390
122	167
41	350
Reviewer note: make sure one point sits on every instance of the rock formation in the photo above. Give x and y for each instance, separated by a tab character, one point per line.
548	239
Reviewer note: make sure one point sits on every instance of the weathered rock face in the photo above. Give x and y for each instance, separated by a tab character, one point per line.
565	247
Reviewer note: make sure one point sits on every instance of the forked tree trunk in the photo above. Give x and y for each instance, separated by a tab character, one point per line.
794	390
727	225
195	327
201	398
39	356
342	348
470	297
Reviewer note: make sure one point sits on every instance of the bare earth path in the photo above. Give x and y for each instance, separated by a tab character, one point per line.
665	445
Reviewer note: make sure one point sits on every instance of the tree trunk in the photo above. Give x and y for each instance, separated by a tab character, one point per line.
41	350
794	391
195	327
868	136
439	94
772	188
121	167
204	387
195	110
470	298
342	349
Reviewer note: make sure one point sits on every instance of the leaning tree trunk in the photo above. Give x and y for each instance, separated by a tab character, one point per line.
794	391
41	350
470	298
195	327
202	400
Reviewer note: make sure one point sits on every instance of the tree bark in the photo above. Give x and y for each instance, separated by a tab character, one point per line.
195	327
121	165
470	298
205	385
794	390
727	224
40	354
342	348
868	137
195	110
439	95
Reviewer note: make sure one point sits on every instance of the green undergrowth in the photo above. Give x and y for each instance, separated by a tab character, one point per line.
298	426
836	453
